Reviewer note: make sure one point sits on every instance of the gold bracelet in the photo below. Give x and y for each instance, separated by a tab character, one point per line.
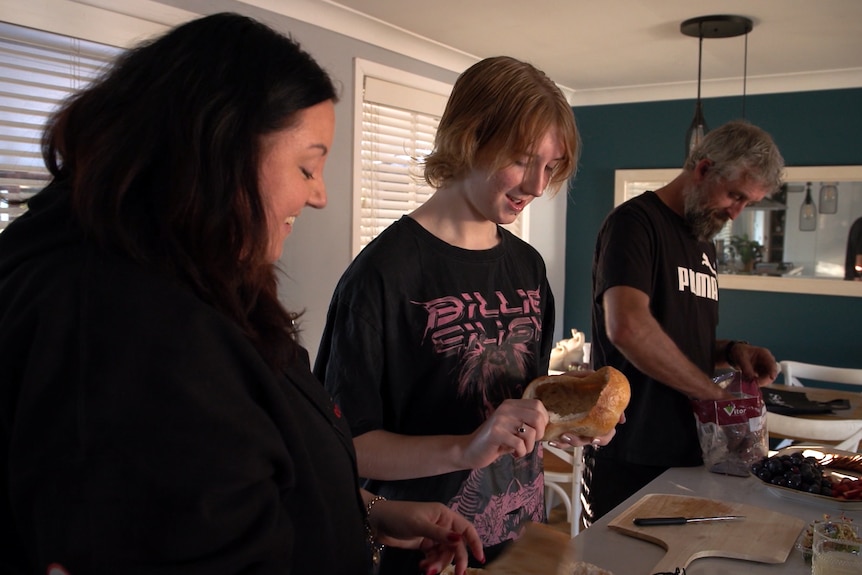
376	547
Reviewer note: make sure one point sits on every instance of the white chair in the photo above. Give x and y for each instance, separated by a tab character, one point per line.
563	469
793	371
844	434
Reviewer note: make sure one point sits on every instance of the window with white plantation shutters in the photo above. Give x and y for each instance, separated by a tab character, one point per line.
398	114
393	139
38	70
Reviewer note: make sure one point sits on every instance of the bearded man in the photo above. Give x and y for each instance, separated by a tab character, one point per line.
655	309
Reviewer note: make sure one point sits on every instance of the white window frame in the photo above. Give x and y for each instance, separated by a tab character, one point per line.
407	88
38	70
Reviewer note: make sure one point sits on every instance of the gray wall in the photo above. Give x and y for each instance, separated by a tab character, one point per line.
319	249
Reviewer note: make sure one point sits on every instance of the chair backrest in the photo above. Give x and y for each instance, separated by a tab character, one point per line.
842	434
564	467
795	370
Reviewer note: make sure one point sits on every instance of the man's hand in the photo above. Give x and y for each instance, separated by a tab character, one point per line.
754	362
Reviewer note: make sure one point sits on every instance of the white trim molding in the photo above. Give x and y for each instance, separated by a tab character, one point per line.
332	16
336	18
777	84
99	21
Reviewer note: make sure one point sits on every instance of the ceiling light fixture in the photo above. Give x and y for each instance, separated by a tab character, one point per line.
719	26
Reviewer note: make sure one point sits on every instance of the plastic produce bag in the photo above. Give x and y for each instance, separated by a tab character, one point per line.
732	432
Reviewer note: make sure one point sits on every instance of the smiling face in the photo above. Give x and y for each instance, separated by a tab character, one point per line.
290	175
500	197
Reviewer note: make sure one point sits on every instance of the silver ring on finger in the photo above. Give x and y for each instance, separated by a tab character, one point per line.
522	428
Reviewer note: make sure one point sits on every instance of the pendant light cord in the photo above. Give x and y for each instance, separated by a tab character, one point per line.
699	63
744	75
716	26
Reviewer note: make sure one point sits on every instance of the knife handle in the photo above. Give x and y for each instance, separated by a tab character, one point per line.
647	521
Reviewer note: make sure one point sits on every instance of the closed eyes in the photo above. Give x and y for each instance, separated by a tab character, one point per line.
526	163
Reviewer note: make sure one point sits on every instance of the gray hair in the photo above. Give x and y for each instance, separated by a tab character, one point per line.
738	150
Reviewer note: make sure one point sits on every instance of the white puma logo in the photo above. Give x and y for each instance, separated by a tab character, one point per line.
708	264
700	284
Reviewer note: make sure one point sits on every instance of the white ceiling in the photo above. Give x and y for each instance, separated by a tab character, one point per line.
598	51
606	50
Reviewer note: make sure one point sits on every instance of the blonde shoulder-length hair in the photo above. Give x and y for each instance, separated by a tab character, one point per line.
498	111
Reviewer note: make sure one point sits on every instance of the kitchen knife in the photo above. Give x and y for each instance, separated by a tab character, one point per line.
647	521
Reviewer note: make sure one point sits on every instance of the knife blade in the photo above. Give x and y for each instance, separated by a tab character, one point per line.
647	521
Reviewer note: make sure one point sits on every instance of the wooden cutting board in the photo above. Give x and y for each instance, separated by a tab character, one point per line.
764	536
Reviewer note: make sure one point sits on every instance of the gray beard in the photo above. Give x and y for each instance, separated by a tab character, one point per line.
704	225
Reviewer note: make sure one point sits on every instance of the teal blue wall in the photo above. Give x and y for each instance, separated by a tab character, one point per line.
810	128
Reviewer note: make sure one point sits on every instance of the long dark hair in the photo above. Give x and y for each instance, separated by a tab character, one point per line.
162	152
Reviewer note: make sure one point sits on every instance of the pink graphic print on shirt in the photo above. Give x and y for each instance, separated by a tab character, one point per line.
492	338
494	500
496	342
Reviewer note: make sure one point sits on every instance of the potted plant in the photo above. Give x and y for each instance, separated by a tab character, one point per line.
748	251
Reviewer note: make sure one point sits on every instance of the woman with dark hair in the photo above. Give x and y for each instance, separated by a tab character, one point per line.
157	413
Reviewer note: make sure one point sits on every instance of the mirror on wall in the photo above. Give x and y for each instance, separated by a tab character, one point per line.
795	241
802	232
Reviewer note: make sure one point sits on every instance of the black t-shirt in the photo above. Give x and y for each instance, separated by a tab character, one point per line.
424	338
645	245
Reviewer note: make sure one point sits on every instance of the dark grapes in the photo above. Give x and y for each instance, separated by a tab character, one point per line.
794	471
775	466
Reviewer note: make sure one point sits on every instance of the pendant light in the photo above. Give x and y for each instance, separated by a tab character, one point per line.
719	26
698	128
808	212
828	198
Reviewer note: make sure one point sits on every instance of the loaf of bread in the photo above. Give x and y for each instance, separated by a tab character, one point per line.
589	406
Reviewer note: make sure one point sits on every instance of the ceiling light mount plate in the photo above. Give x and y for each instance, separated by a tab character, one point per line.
717	26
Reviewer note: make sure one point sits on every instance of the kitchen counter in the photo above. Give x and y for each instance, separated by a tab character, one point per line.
625	555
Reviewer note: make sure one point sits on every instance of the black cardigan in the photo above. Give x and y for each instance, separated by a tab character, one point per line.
141	433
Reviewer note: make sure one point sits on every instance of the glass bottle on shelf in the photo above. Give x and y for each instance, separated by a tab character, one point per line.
808	212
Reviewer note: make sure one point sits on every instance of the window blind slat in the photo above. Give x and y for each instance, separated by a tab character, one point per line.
373	201
397	165
409	123
38	70
394	138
